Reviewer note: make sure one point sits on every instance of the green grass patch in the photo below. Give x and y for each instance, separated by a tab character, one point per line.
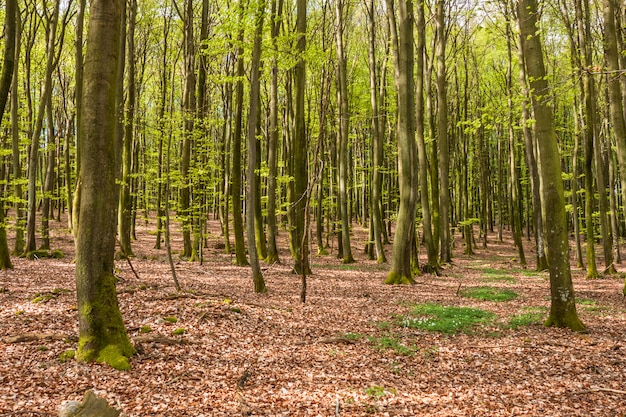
525	320
499	278
445	319
390	342
489	294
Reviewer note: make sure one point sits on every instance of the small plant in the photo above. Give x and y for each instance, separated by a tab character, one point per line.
4	290
375	391
145	329
392	343
19	312
489	294
450	320
67	356
383	325
179	331
171	319
42	348
235	310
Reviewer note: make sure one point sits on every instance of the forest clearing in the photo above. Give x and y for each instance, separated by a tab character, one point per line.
350	350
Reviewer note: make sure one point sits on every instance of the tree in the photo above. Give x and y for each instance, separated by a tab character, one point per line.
402	39
563	304
102	335
6	78
253	184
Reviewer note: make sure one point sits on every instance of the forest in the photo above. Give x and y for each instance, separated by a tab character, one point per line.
312	207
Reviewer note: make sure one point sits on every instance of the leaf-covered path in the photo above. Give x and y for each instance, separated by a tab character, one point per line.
355	348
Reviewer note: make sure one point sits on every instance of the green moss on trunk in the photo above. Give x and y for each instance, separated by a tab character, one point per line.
396	278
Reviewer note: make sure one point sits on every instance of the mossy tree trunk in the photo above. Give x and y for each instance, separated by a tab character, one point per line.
102	335
402	40
563	304
18	248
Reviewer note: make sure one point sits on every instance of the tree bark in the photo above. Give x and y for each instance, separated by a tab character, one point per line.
402	40
102	336
563	304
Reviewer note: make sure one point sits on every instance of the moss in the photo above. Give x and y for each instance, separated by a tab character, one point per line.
114	357
67	356
399	279
569	319
37	254
179	331
171	319
145	329
57	254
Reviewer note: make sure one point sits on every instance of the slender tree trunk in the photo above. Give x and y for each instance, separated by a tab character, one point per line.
342	136
78	56
563	304
272	148
188	129
33	159
442	134
124	211
48	184
6	78
253	187
102	336
377	142
240	248
432	264
18	249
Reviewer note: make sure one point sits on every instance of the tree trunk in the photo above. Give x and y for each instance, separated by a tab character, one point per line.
342	136
402	39
33	159
253	186
102	336
18	249
6	78
272	148
563	304
377	142
125	202
240	247
442	134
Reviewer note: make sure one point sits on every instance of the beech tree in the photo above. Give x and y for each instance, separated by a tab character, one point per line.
563	304
102	335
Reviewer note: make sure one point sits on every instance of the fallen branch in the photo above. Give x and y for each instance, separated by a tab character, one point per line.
601	389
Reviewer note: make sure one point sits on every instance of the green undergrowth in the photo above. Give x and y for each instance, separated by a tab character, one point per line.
489	294
444	319
530	316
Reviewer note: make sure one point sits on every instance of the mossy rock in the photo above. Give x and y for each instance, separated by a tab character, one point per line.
57	254
37	254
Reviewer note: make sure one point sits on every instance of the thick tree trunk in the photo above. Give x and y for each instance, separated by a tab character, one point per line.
102	336
563	304
402	39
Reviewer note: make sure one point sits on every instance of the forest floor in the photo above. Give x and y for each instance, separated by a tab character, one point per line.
356	348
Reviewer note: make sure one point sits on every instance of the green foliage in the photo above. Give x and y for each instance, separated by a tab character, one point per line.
489	294
377	392
145	329
449	320
533	316
179	331
67	355
170	319
390	342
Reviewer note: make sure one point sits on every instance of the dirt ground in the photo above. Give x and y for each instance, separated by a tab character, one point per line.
343	353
